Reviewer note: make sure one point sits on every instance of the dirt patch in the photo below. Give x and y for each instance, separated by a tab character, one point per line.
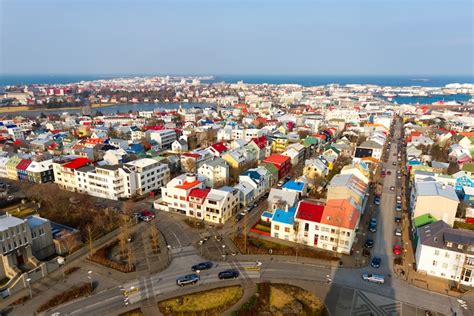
282	300
212	302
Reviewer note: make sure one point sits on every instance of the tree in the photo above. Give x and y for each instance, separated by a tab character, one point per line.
439	153
453	168
112	132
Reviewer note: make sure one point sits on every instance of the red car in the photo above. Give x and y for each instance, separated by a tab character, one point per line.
397	250
147	216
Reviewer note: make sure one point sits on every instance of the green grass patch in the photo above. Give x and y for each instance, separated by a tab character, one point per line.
463	225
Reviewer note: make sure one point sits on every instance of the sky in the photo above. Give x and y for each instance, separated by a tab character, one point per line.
294	37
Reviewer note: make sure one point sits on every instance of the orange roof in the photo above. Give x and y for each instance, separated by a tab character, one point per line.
467	134
370	159
188	185
340	213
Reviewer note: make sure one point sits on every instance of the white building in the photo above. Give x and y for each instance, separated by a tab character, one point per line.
215	172
445	252
164	138
150	175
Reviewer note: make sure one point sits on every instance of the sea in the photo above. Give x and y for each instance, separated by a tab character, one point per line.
304	80
425	81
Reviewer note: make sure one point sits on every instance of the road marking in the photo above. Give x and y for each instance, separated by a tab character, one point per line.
92	305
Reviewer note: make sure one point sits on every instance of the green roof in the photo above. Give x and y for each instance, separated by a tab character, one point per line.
423	220
270	167
469	167
311	140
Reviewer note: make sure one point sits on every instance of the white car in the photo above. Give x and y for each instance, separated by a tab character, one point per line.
398	232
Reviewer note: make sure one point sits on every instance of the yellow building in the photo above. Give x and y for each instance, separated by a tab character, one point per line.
12	172
279	144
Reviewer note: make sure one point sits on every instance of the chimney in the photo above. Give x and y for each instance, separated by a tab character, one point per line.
286	207
190	177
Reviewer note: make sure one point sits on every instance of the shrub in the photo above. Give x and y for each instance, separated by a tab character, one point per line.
101	256
70	270
84	289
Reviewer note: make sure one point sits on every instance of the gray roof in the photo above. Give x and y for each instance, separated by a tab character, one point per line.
438	164
290	197
370	144
436	189
438	234
216	162
7	221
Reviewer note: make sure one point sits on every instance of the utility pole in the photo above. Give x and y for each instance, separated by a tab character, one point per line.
89	236
245	233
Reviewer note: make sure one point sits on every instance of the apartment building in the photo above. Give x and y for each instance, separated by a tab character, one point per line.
150	175
65	172
439	200
108	181
176	192
221	204
445	252
164	138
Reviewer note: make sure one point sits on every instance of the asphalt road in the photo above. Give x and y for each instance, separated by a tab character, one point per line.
385	236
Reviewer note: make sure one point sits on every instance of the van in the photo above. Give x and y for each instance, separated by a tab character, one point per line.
374	278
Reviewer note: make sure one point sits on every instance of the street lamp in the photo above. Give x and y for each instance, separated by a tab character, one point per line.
89	276
62	262
28	281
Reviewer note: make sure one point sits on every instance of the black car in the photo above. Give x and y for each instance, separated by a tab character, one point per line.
398	219
375	263
202	266
369	243
228	274
238	217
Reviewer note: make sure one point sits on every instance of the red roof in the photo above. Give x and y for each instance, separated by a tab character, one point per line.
188	185
76	163
414	133
17	142
260	141
192	155
277	159
310	211
23	164
199	193
219	147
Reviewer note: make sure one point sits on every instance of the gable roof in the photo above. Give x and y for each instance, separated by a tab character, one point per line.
340	213
76	163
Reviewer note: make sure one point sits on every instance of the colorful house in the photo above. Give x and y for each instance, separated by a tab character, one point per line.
281	162
21	169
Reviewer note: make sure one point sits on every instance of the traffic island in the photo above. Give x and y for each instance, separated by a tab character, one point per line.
210	302
281	299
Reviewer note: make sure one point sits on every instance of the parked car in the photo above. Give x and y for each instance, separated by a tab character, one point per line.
399	198
394	163
377	200
369	243
239	217
398	207
228	274
382	174
392	188
398	232
398	219
187	279
146	216
375	263
397	250
202	266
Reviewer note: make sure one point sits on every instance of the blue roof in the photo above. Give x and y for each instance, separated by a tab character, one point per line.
227	189
267	214
285	217
294	185
254	175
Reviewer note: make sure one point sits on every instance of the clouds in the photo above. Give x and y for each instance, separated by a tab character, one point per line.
242	37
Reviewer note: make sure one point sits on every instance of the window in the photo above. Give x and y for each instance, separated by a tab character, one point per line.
449	244
460	247
435	263
436	253
287	229
458	257
277	227
445	265
446	254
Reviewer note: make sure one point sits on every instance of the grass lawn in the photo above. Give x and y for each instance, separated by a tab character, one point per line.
263	228
211	302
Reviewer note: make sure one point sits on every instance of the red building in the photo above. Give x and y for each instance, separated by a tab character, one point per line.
281	162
